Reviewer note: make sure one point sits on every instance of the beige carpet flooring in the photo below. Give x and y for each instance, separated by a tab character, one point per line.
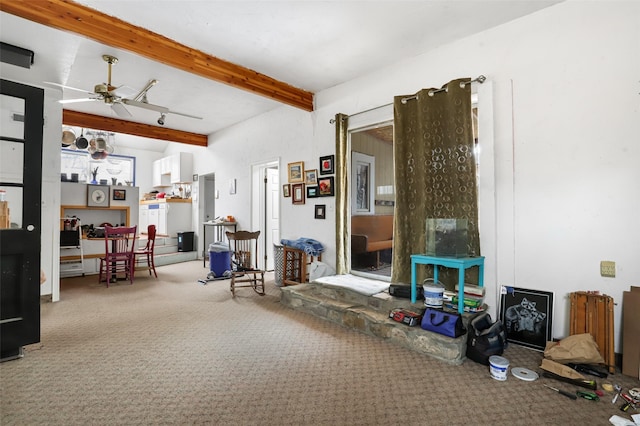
172	351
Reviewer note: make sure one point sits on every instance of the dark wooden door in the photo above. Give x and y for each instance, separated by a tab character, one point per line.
21	129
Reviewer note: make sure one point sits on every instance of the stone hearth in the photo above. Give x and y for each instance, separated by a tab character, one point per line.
370	315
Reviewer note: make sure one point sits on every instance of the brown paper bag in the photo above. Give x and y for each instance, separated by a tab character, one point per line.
560	370
579	349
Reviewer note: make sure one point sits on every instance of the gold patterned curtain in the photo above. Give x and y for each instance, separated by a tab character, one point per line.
343	246
435	171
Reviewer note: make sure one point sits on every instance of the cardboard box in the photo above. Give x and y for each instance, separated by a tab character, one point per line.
631	333
405	316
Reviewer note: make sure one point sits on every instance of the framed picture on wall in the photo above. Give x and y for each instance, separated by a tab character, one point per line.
296	172
312	192
325	186
320	211
286	190
326	165
297	190
311	177
527	316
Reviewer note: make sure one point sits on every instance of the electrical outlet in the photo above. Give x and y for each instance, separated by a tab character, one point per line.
608	268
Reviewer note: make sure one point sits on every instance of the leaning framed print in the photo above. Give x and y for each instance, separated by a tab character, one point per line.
527	316
297	193
97	196
325	185
119	194
326	164
296	172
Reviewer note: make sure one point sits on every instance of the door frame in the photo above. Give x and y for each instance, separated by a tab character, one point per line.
21	247
259	207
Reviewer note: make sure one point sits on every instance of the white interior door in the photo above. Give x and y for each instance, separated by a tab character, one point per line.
272	214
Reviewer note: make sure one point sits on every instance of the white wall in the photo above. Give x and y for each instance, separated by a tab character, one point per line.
565	89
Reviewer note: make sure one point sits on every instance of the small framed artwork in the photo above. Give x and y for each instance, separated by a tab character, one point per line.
320	211
119	194
312	192
325	186
527	316
296	172
297	190
232	186
311	177
326	164
194	178
97	196
286	190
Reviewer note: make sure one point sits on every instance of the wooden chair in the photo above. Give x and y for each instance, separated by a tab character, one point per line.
144	257
244	246
119	243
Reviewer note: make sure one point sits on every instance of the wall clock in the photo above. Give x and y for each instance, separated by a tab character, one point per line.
97	196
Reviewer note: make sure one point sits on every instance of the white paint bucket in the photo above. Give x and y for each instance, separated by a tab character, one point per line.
432	294
498	367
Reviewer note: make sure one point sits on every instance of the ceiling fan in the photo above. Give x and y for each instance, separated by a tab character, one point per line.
116	96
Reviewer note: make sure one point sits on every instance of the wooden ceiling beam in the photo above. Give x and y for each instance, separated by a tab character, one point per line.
76	18
98	122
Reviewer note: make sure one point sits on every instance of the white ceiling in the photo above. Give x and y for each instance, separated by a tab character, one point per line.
312	45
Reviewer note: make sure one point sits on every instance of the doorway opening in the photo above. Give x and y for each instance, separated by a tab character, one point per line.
207	195
372	200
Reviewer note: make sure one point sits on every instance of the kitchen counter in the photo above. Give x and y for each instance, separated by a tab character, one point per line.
166	200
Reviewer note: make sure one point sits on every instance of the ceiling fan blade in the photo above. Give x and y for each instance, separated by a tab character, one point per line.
145	105
72	101
88	92
120	110
185	115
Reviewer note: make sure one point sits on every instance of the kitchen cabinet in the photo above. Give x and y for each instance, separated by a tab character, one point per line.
170	216
176	168
157	177
143	222
181	167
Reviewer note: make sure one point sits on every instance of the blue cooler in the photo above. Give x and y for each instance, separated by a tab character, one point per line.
219	259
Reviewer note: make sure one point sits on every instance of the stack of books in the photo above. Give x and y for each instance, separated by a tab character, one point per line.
473	298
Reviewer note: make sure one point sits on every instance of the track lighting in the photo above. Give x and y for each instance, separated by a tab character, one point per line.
161	119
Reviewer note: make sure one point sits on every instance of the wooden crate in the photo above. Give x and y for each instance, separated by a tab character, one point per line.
295	265
593	313
5	222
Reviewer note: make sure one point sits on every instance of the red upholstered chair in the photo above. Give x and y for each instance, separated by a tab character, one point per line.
144	257
119	243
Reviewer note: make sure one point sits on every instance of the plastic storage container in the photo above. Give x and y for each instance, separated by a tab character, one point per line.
433	293
219	259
